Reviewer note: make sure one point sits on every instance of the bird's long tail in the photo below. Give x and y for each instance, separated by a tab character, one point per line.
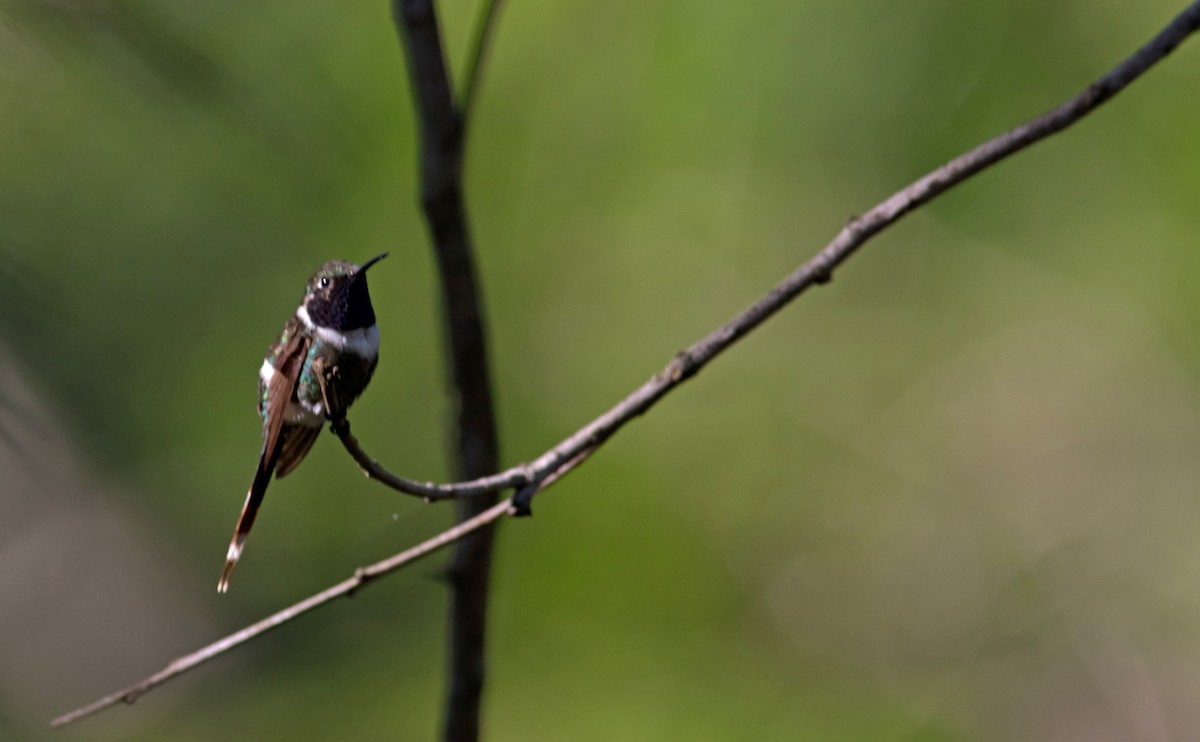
254	498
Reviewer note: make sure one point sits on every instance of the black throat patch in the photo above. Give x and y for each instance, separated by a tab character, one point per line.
343	305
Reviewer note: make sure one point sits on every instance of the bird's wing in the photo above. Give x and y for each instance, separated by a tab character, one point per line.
295	446
353	370
288	365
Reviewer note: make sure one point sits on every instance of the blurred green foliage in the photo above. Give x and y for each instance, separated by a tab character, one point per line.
951	496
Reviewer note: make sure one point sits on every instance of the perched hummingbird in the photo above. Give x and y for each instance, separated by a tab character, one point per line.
315	369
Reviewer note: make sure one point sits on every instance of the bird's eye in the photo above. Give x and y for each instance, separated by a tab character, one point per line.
324	281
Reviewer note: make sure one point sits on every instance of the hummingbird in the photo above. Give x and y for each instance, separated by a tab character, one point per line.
318	365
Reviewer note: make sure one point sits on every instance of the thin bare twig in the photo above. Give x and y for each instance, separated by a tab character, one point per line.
428	491
575	449
362	576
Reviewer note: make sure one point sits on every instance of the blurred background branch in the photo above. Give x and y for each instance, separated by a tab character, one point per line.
442	133
485	26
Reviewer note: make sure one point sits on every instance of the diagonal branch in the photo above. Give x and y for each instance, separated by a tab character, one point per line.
572	451
816	271
362	576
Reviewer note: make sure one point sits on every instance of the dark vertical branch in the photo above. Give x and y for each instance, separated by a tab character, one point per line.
441	143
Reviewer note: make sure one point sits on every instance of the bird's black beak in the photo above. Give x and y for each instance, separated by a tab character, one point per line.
363	268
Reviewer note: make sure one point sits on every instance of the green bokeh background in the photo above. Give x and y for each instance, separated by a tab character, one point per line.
952	496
